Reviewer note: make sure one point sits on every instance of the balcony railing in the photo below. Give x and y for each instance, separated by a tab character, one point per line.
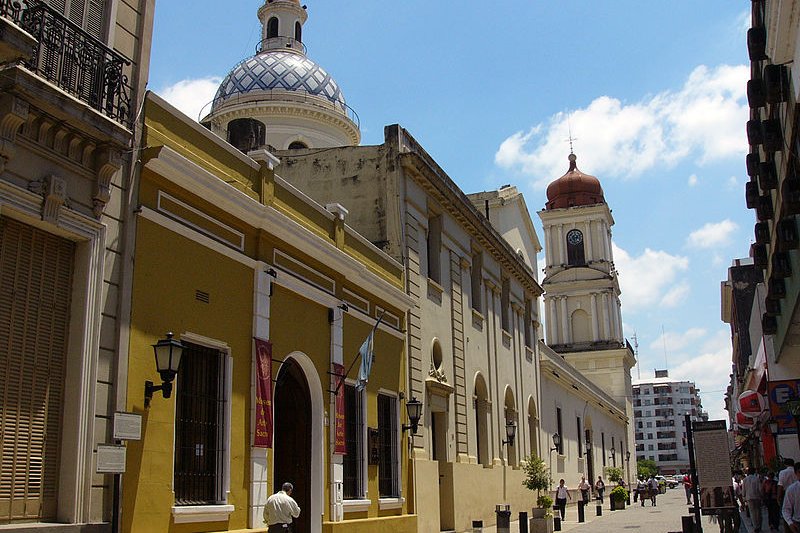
75	61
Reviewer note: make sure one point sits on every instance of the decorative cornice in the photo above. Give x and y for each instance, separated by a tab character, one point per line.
107	162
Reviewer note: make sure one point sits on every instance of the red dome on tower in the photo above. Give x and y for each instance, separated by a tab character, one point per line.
574	189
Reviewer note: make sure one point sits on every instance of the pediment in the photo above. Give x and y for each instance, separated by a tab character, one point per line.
577	274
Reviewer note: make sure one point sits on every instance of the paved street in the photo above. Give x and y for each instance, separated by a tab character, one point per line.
665	517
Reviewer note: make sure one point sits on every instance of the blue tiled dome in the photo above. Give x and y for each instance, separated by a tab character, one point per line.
279	70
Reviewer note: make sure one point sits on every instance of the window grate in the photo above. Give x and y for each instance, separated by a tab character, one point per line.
388	485
202	296
200	404
354	442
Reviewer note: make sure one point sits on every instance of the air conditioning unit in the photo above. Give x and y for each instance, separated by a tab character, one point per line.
781	265
759	253
764	210
753	161
757	43
776	84
776	289
751	194
771	135
787	234
756	93
755	134
762	233
767	176
790	196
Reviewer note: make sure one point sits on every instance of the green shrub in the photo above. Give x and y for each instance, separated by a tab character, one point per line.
619	494
613	473
544	501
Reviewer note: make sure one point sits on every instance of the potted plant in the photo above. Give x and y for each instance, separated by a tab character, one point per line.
618	497
537	477
614	474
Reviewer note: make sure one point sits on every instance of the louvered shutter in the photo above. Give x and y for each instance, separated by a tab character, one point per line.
88	14
35	287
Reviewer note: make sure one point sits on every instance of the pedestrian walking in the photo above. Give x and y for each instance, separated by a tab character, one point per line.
584	487
687	487
791	504
769	491
280	510
641	489
600	487
751	494
653	486
785	478
562	493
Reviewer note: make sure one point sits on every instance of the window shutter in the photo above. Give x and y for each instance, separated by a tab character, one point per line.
76	11
58	5
35	286
95	18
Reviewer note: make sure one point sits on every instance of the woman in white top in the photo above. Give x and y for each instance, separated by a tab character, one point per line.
562	493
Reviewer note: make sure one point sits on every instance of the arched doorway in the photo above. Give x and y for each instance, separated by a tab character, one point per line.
292	441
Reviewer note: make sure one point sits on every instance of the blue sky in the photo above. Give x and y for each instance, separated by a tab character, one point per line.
654	93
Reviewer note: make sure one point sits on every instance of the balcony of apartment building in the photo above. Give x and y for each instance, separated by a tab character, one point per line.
665	434
63	89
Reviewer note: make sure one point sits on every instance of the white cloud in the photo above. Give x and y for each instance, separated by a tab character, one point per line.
692	180
702	120
192	96
709	367
733	183
650	279
673	342
712	235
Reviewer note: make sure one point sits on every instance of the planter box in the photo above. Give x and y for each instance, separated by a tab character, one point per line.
541	525
538	512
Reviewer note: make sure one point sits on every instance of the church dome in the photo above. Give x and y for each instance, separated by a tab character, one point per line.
574	189
278	70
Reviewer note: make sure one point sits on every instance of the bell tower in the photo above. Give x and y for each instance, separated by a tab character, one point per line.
282	25
582	307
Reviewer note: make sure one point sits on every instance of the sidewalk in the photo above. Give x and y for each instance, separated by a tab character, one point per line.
665	517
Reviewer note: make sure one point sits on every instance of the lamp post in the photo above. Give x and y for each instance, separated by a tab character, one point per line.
414	411
511	432
613	457
556	443
773	429
168	354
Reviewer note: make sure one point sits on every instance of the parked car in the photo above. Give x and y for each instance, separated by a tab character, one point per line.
668	481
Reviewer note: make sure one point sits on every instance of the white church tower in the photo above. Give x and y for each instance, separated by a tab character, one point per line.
279	97
583	318
582	308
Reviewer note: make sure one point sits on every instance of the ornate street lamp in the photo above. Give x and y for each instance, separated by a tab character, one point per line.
168	357
556	442
628	456
511	432
414	411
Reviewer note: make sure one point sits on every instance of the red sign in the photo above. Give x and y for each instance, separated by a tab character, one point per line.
263	435
752	404
339	444
743	421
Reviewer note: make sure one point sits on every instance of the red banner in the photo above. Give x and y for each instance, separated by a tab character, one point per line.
339	444
263	435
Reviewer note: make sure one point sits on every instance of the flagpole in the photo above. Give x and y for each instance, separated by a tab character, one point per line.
342	378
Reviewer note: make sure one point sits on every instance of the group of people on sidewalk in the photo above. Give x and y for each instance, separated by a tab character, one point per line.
646	489
585	488
779	496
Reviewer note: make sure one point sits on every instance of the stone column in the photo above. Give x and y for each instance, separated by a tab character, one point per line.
337	461
565	322
562	250
606	321
595	323
589	250
552	320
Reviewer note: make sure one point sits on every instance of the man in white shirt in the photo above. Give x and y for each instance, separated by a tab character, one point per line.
280	510
751	493
791	504
785	478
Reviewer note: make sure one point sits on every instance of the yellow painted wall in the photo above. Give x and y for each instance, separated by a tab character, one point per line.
169	268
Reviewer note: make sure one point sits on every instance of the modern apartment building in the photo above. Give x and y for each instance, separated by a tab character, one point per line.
660	405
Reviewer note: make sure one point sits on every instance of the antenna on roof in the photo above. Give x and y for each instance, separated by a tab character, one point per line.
636	353
571	138
664	340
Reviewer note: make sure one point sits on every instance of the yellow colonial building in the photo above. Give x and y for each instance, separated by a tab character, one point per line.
226	253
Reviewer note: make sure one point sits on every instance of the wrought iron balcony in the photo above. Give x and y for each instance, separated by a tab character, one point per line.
72	59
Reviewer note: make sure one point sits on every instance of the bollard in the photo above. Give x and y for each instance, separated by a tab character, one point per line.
557	523
581	517
599	510
503	518
477	526
523	522
687	524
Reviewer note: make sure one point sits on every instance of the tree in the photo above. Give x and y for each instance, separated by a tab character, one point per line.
613	473
537	475
645	468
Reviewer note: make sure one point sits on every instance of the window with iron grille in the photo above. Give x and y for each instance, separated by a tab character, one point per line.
200	427
354	443
388	465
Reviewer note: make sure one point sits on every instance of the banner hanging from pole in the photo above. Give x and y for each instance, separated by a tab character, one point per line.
263	433
339	444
